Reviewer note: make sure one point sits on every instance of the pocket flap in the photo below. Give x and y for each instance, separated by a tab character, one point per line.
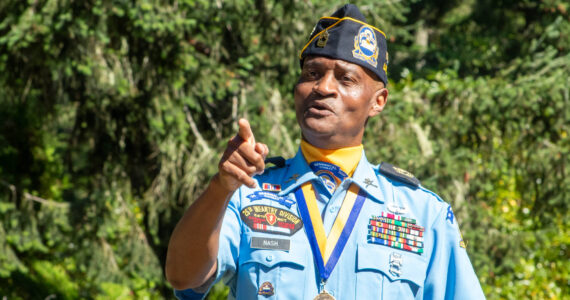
406	265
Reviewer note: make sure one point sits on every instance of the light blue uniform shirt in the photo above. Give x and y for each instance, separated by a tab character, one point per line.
364	270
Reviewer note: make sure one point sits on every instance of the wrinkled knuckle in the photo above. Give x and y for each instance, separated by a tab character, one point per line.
257	160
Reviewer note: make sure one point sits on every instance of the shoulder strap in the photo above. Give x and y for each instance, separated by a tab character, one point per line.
276	160
398	174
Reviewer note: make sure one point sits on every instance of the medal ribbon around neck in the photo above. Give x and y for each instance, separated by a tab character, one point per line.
327	250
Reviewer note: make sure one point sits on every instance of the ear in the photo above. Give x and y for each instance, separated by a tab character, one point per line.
378	102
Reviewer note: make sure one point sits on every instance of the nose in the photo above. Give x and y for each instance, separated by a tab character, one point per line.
326	85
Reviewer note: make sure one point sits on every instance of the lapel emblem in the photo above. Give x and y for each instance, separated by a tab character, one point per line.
368	181
293	177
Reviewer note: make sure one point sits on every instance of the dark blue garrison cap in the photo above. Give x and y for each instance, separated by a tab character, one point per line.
346	35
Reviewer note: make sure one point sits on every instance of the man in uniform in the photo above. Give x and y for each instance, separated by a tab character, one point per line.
326	223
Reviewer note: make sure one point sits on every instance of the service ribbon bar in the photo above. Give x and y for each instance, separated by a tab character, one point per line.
397	232
396	228
393	244
396	239
399	223
399	218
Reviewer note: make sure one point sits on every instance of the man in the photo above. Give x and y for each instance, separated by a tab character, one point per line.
325	224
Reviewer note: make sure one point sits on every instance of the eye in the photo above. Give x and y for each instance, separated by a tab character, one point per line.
347	79
310	74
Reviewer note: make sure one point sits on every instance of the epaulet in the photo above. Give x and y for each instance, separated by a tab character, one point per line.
278	161
398	174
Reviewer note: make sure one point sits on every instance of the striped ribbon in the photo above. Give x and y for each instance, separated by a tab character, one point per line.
327	249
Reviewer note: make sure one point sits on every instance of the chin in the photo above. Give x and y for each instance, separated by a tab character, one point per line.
318	128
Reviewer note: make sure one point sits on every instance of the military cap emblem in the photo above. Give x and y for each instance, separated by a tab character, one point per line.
323	38
366	46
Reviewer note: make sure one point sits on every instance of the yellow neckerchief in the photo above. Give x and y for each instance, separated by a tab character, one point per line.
346	158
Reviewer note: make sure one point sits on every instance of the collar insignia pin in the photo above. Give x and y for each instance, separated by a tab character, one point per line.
368	182
293	177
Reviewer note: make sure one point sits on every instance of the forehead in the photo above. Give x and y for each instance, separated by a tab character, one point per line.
323	61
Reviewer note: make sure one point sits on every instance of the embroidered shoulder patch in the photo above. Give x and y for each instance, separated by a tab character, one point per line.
398	174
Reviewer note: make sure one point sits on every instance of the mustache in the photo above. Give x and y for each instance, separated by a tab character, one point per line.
318	102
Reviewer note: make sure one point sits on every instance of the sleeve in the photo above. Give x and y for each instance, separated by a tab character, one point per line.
228	250
450	274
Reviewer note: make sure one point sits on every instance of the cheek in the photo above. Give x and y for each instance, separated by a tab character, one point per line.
357	101
300	93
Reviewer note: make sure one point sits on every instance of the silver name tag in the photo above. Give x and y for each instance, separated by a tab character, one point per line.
270	243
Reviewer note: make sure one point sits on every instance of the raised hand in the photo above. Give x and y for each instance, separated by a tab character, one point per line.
242	159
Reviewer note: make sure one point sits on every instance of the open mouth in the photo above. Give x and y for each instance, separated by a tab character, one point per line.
319	109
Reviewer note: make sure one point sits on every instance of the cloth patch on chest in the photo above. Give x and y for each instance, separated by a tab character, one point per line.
330	174
269	219
261	195
396	232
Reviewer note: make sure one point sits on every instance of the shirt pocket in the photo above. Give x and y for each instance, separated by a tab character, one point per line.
388	273
281	270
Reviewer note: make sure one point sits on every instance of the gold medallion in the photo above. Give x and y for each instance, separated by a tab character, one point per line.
324	296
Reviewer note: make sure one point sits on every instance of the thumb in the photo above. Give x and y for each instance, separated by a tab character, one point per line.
245	131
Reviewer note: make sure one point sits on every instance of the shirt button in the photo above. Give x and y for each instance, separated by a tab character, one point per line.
333	209
269	258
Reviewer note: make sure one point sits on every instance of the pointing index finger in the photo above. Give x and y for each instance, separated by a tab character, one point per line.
245	131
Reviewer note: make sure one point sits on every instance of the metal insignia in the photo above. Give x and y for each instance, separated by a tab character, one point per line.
368	181
396	264
266	289
396	209
293	177
323	38
270	243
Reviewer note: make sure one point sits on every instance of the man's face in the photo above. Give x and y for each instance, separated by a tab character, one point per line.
333	100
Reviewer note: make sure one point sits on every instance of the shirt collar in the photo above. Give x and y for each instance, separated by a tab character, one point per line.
299	172
365	177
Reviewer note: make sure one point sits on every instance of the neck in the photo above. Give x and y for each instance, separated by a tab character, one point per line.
333	142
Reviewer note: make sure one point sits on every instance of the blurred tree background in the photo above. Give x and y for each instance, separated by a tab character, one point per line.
113	115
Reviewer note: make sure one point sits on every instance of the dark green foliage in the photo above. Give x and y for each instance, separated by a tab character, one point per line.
113	115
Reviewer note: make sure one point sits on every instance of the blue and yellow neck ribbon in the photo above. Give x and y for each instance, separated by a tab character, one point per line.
345	158
327	249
